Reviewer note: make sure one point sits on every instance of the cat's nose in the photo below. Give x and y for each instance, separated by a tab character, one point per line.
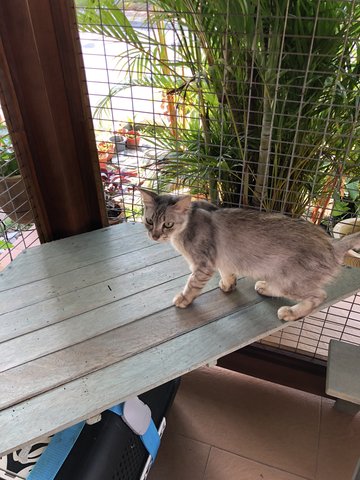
155	236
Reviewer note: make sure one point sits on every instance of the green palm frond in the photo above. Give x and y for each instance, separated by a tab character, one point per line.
266	93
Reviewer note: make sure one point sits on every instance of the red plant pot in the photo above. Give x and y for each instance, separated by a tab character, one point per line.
133	139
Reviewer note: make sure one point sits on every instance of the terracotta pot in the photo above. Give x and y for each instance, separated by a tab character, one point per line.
133	141
105	157
106	151
14	200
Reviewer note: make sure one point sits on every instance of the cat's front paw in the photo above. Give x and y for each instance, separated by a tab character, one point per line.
262	287
180	301
287	314
227	287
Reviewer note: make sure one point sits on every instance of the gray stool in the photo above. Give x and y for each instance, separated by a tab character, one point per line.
343	376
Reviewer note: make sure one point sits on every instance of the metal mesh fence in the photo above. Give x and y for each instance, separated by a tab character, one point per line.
17	229
252	104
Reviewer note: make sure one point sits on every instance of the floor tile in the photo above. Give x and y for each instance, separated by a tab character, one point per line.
339	444
227	466
180	458
268	423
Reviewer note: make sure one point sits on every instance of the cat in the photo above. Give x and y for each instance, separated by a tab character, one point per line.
289	257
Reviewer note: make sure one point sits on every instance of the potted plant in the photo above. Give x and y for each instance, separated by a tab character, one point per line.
106	151
13	197
117	183
131	132
133	139
119	141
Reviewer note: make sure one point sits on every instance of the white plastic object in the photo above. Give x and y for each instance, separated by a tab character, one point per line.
136	415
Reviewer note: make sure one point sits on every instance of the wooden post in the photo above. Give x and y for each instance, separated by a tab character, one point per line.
44	97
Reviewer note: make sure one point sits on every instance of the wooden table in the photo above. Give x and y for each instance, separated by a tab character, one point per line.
88	322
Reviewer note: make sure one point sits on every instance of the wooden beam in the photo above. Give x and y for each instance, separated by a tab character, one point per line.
277	366
46	106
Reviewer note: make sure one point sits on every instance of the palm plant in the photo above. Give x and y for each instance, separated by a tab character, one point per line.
262	96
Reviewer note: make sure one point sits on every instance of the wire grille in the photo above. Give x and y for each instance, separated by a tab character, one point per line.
250	104
17	229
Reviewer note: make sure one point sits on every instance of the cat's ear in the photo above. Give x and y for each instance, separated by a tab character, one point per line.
183	204
148	197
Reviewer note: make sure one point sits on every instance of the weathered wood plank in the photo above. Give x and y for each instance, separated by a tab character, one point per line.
60	308
346	284
79	328
16	301
87	396
103	345
14	276
127	340
57	309
161	329
343	371
71	245
41	342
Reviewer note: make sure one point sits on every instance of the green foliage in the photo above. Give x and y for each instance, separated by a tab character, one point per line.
5	245
349	201
262	96
8	163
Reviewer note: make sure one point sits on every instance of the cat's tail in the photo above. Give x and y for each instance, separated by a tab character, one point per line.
348	242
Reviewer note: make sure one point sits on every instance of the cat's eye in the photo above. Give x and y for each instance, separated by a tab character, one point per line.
168	224
149	221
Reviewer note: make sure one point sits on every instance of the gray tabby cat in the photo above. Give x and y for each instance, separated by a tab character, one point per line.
289	257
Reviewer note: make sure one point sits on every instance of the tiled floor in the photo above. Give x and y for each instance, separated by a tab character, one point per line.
228	426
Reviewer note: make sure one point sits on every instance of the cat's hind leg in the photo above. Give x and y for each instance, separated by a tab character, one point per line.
227	282
303	308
